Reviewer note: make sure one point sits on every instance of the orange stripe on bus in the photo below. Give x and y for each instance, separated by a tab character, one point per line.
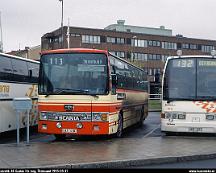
80	108
75	103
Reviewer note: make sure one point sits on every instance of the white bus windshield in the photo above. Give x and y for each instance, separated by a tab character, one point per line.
190	79
73	73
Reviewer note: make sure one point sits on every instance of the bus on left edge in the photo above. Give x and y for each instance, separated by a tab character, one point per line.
18	78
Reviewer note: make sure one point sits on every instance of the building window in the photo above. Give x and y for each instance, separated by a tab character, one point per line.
164	58
120	40
169	45
91	39
115	40
139	43
153	71
185	46
193	46
150	71
140	56
110	40
206	49
154	57
118	53
154	43
74	35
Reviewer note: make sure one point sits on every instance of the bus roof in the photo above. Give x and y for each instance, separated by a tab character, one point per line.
18	57
71	50
190	56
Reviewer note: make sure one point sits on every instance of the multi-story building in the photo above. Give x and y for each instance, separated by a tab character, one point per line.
146	47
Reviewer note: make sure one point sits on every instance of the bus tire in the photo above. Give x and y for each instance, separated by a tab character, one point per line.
120	126
60	137
140	123
169	133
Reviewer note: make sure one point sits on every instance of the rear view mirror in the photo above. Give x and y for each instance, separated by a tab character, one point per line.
30	73
114	79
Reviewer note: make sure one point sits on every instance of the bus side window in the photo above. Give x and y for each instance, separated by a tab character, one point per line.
6	72
113	77
33	72
20	70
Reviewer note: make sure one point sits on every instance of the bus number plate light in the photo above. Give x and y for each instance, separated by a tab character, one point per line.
69	130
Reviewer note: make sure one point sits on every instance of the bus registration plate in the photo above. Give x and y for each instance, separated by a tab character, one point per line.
195	129
69	130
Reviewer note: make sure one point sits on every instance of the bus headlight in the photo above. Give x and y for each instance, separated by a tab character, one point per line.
104	117
58	125
175	115
210	117
167	115
99	116
96	117
43	116
84	117
79	125
181	115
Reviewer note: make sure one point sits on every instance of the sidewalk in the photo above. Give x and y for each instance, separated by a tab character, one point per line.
111	153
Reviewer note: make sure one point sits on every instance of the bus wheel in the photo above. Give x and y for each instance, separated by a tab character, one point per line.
140	123
169	133
60	137
120	126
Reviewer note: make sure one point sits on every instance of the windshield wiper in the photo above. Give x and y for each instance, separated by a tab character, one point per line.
70	90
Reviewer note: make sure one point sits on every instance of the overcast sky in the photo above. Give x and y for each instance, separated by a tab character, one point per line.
25	21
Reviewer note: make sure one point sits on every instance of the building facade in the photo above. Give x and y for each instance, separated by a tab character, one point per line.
147	49
29	52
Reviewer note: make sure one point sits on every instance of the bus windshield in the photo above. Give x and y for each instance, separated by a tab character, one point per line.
190	79
73	73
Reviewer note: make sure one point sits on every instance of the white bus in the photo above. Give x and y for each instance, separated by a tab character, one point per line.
189	95
18	78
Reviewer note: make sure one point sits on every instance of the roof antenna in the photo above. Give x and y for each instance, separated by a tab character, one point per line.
68	34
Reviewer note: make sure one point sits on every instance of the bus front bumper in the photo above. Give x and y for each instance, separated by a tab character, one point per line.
190	127
73	128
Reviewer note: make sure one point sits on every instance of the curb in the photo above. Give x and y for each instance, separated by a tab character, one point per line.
154	110
133	163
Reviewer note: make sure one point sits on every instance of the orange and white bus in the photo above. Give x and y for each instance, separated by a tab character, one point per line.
89	92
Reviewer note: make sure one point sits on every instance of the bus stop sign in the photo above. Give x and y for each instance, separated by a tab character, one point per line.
22	103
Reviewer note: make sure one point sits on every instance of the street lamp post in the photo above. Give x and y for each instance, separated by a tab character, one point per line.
62	17
1	35
132	50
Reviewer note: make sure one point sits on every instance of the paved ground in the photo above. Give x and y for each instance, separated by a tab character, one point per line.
104	153
198	164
